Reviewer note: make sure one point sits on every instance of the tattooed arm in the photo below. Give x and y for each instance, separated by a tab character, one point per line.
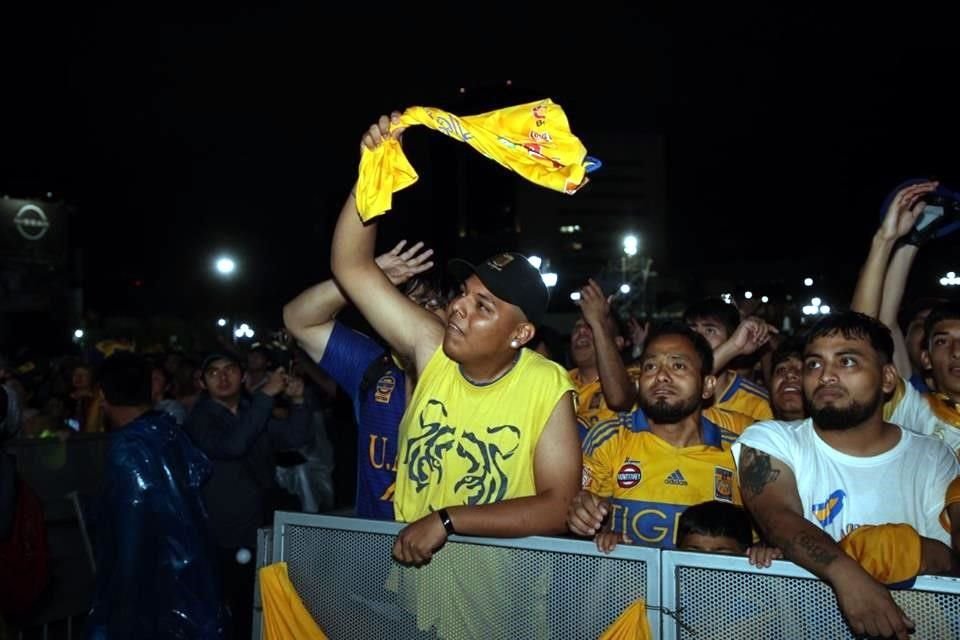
769	491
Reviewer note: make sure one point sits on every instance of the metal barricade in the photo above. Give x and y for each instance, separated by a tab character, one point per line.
718	596
527	588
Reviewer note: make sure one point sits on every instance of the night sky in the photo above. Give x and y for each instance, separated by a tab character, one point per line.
179	134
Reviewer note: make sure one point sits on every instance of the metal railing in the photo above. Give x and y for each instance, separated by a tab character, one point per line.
541	587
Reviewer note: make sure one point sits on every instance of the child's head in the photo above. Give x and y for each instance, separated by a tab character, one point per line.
714	526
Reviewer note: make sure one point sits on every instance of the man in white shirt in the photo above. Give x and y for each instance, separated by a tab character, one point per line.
808	484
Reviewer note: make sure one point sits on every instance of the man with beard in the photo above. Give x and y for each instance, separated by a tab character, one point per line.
808	484
638	478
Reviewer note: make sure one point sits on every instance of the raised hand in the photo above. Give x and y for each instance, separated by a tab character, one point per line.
399	265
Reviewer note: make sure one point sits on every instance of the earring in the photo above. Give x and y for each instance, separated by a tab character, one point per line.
514	344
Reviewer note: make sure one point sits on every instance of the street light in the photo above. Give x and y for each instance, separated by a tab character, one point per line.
630	244
950	280
244	331
549	279
222	322
748	294
815	308
764	299
225	265
575	296
536	261
808	282
78	334
625	288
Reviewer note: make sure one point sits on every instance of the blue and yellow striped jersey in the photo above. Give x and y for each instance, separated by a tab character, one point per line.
650	482
746	397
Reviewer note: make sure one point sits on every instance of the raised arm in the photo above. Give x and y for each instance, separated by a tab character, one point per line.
557	470
769	491
893	287
751	334
412	332
618	389
901	215
309	316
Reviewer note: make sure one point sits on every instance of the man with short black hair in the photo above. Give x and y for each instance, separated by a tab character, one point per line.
156	563
638	477
811	483
239	435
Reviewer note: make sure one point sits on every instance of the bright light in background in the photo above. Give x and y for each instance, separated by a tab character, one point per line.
569	228
78	334
630	244
764	299
808	282
816	307
536	261
222	322
225	265
549	279
748	294
244	331
726	297
950	280
624	288
575	296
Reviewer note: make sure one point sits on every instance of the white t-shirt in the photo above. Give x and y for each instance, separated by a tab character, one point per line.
912	411
840	492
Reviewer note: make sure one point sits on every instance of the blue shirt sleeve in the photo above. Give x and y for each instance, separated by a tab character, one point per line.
347	357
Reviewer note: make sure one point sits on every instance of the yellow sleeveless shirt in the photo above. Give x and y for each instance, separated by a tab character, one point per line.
467	444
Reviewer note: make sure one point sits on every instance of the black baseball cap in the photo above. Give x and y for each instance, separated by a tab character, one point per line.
510	277
219	355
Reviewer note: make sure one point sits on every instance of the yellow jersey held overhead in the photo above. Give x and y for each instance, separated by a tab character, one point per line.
533	139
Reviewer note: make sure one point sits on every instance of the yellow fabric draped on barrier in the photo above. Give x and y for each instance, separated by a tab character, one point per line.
632	624
888	552
533	139
284	616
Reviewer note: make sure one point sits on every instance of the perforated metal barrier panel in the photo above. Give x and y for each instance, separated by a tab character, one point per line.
533	588
723	597
539	588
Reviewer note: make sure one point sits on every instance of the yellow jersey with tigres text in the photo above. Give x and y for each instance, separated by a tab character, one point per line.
650	482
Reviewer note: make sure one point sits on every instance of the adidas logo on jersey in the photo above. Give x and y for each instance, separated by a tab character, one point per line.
676	478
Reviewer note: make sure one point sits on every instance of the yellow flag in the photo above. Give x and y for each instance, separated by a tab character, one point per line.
284	616
531	139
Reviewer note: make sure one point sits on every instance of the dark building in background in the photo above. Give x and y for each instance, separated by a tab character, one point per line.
582	236
40	294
